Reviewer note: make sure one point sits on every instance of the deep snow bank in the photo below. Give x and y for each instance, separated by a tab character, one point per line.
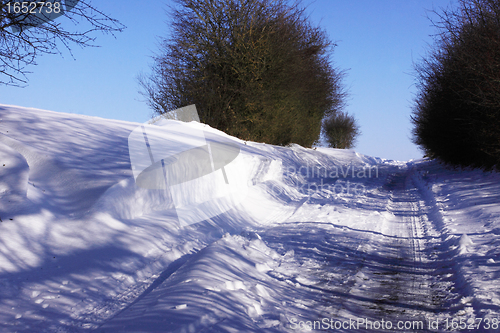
82	246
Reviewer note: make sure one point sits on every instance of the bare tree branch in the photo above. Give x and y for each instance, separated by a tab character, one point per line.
23	38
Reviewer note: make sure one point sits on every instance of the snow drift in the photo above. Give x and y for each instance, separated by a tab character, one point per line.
313	237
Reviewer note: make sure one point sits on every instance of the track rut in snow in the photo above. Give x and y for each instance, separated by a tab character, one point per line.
401	285
400	272
407	279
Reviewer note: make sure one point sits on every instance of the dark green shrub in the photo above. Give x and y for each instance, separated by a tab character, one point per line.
341	130
256	69
457	110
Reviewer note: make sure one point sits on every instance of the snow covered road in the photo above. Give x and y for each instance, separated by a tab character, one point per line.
325	240
399	271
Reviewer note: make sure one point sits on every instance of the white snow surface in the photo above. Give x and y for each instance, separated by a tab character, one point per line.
324	240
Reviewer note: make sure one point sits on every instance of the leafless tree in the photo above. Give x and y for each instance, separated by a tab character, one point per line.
28	30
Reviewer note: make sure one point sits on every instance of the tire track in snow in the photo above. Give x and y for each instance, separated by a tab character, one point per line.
400	281
463	304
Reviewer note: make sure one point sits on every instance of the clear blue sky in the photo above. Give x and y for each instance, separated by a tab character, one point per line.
378	40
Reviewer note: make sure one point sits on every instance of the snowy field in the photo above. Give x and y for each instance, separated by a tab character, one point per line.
322	240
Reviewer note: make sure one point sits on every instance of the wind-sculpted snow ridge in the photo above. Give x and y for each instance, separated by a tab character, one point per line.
324	240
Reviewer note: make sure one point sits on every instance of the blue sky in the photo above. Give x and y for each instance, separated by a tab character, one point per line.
378	41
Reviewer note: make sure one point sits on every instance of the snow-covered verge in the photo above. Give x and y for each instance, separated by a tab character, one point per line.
465	205
324	240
